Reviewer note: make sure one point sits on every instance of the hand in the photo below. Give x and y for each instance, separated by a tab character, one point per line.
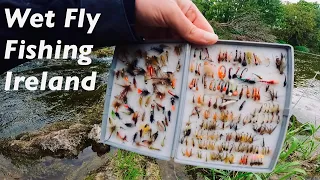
163	19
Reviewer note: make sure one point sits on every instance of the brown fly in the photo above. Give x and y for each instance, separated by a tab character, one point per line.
112	128
135	117
155	136
124	92
134	137
148	101
143	116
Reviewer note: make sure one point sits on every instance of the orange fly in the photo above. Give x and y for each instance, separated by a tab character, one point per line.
222	72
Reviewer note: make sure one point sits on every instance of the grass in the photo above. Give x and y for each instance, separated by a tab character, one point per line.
129	165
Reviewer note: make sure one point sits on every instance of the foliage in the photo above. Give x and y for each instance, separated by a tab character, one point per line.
281	42
227	10
299	23
295	23
302	48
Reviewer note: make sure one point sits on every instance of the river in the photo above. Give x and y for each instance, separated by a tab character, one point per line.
25	111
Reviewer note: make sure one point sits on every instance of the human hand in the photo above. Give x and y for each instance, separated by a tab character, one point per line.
173	19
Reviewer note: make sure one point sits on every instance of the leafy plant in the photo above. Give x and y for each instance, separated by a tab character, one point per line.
302	48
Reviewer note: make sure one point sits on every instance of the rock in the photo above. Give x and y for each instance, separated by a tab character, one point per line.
108	173
67	140
100	148
172	170
64	142
95	133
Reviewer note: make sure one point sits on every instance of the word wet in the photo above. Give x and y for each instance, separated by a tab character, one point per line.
37	20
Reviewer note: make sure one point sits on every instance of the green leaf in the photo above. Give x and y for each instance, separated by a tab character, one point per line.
293	147
257	176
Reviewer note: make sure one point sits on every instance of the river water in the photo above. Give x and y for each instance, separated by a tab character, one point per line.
25	111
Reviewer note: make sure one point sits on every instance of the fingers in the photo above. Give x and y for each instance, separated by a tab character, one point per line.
196	17
191	28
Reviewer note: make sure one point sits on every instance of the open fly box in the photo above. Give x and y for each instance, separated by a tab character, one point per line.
223	106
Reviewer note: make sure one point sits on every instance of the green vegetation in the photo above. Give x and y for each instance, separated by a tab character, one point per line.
129	165
302	48
271	21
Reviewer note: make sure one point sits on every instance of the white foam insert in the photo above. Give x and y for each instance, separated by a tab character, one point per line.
133	101
268	73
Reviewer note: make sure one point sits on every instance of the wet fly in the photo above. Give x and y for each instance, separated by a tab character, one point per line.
148	101
236	74
257	76
143	92
162	143
172	94
116	114
210	102
215	105
169	115
267	88
135	117
152	114
172	103
112	129
229	76
159	106
123	138
240	59
155	136
236	57
241	107
285	81
134	82
129	125
178	66
130	110
244	62
143	116
161	126
134	137
241	94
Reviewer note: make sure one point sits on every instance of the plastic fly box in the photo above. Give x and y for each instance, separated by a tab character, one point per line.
223	106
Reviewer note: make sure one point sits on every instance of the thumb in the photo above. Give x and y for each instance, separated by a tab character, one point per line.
189	31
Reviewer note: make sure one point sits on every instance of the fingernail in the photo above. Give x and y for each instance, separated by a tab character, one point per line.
210	37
